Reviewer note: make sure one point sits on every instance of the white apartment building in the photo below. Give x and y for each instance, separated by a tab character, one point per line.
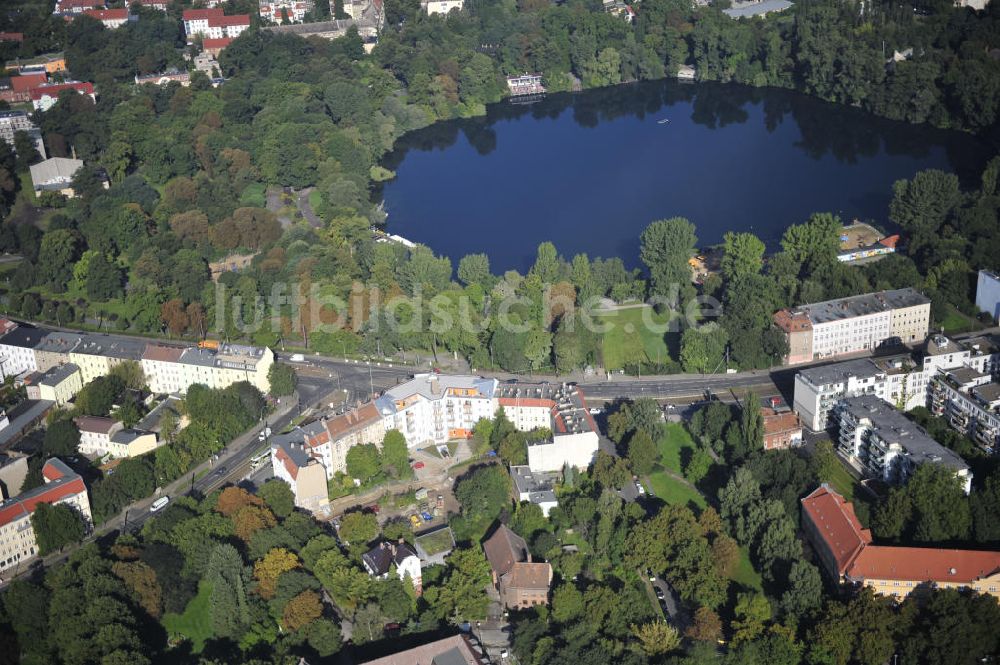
213	23
95	434
17	355
434	409
441	6
60	385
971	403
295	10
112	19
12	122
304	474
856	324
54	349
171	370
902	380
884	442
17	537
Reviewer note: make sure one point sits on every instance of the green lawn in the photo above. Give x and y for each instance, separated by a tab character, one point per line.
956	322
196	622
842	481
674	491
315	199
745	573
630	340
436	541
675	439
254	196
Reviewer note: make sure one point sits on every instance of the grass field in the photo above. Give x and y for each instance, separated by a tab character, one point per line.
842	481
630	339
956	322
745	573
315	199
674	491
675	439
196	623
253	195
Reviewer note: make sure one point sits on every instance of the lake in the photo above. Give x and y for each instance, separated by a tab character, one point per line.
588	171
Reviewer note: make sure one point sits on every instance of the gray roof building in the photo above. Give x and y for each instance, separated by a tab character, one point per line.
862	368
54	174
862	305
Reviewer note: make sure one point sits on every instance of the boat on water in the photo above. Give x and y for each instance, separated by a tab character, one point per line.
663	122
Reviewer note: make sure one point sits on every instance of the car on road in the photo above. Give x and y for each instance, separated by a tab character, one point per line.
159	504
639	488
220	471
418	465
659	593
297	358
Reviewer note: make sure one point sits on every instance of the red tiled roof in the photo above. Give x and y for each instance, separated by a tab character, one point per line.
779	422
221	43
525	575
107	14
889	241
526	401
792	322
11	36
924	564
290	466
21	507
362	417
165	354
503	549
225	21
25	82
63	5
200	14
54	89
840	528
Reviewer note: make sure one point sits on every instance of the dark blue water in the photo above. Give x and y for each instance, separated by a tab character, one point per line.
589	171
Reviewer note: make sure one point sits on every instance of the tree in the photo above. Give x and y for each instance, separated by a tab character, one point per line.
56	258
229	605
567	603
805	589
752	612
815	242
278	496
656	639
301	610
363	462
269	569
706	626
475	269
703	348
395	455
751	425
104	279
282	380
642	453
142	583
483	492
358	528
56	526
665	247
61	438
743	254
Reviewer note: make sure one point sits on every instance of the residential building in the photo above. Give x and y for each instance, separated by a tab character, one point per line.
161	365
303	473
16	37
70	7
174	369
536	488
782	429
441	6
525	84
365	12
17	344
434	546
17	89
753	8
96	355
213	23
970	401
887	445
435	408
17	537
455	650
112	19
849	556
988	293
277	10
55	175
163	79
47	63
54	348
160	5
12	122
60	385
520	581
380	560
24	418
45	96
856	324
108	438
215	46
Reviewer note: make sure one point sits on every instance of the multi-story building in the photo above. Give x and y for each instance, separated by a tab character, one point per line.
107	438
848	555
54	349
463	649
160	5
214	47
889	446
277	10
852	325
213	23
782	428
441	6
902	380
45	96
12	122
47	63
988	293
17	348
306	475
435	408
161	365
537	488
970	401
71	7
174	369
112	19
17	536
60	384
387	555
96	355
520	581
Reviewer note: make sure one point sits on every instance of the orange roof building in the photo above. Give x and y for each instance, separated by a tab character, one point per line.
846	550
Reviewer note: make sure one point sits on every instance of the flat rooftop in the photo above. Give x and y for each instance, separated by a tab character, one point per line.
862	305
526	481
861	368
895	428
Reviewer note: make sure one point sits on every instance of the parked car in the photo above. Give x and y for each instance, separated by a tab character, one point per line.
418	465
659	593
415	521
427	516
159	504
639	488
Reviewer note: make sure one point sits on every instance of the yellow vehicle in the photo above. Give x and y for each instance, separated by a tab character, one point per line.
415	521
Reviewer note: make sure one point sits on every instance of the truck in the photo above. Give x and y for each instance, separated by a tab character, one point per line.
264	433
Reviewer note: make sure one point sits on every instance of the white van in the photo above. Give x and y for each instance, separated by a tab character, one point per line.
159	504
